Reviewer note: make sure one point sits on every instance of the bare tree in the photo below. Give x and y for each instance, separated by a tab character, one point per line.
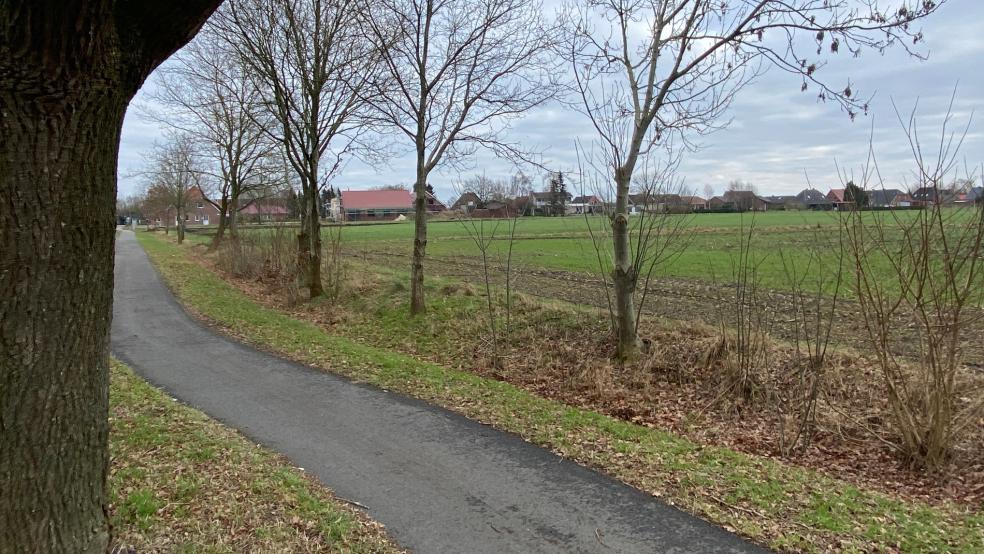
312	60
644	71
708	192
934	281
459	71
68	69
206	93
172	174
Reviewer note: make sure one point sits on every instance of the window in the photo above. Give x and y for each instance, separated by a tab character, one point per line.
201	205
196	217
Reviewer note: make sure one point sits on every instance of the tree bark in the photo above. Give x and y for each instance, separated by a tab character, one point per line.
56	283
67	71
417	300
624	276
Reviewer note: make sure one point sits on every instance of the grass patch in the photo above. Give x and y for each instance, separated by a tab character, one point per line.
181	482
783	506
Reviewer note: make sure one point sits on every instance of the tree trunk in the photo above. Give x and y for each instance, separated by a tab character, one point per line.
233	217
624	277
67	71
181	225
223	222
417	301
57	203
314	250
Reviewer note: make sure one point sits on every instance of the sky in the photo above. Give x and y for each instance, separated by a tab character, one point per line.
777	138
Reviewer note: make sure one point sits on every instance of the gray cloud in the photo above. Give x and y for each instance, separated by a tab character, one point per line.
777	134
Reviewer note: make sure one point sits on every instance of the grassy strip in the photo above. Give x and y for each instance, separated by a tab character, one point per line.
181	482
786	507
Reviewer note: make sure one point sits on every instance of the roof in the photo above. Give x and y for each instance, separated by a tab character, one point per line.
812	196
837	195
975	193
465	199
883	197
592	199
693	200
376	199
781	199
257	208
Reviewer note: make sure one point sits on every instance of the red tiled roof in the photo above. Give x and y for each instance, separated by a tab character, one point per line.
376	199
837	195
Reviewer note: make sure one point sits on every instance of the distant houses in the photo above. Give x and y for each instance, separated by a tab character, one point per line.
547	203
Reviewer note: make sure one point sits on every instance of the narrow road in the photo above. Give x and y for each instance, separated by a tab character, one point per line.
438	481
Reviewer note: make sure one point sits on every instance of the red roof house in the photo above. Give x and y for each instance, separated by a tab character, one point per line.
381	205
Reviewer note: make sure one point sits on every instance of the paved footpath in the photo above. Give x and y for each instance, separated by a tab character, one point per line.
438	481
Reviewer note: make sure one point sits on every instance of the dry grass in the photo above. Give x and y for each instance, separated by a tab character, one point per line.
181	482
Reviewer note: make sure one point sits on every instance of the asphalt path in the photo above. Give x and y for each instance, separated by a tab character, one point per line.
439	482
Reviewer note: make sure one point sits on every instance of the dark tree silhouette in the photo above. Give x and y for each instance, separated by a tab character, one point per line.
68	69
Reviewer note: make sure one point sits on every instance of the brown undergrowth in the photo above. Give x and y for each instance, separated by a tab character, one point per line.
564	352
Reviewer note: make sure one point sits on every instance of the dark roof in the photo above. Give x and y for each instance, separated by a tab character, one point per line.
883	197
466	199
812	197
975	193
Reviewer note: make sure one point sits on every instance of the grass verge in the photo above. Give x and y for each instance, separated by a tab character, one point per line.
181	482
783	506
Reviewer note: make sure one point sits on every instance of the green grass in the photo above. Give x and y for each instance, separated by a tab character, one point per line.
783	506
181	482
565	243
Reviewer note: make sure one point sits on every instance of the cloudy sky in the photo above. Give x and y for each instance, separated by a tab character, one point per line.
777	135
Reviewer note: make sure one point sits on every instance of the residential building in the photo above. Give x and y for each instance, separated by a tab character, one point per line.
888	198
381	205
586	205
813	199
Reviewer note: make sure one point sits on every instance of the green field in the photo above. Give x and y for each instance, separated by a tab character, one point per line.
706	248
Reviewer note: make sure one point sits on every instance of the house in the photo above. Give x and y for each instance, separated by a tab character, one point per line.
586	204
263	211
838	198
718	203
467	202
545	203
888	198
813	199
783	202
200	211
745	200
926	196
696	203
382	205
976	195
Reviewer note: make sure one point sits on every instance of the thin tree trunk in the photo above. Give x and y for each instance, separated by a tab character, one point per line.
181	225
417	301
57	192
624	276
314	251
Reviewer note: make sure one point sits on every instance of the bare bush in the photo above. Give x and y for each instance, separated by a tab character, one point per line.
744	348
815	286
924	269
